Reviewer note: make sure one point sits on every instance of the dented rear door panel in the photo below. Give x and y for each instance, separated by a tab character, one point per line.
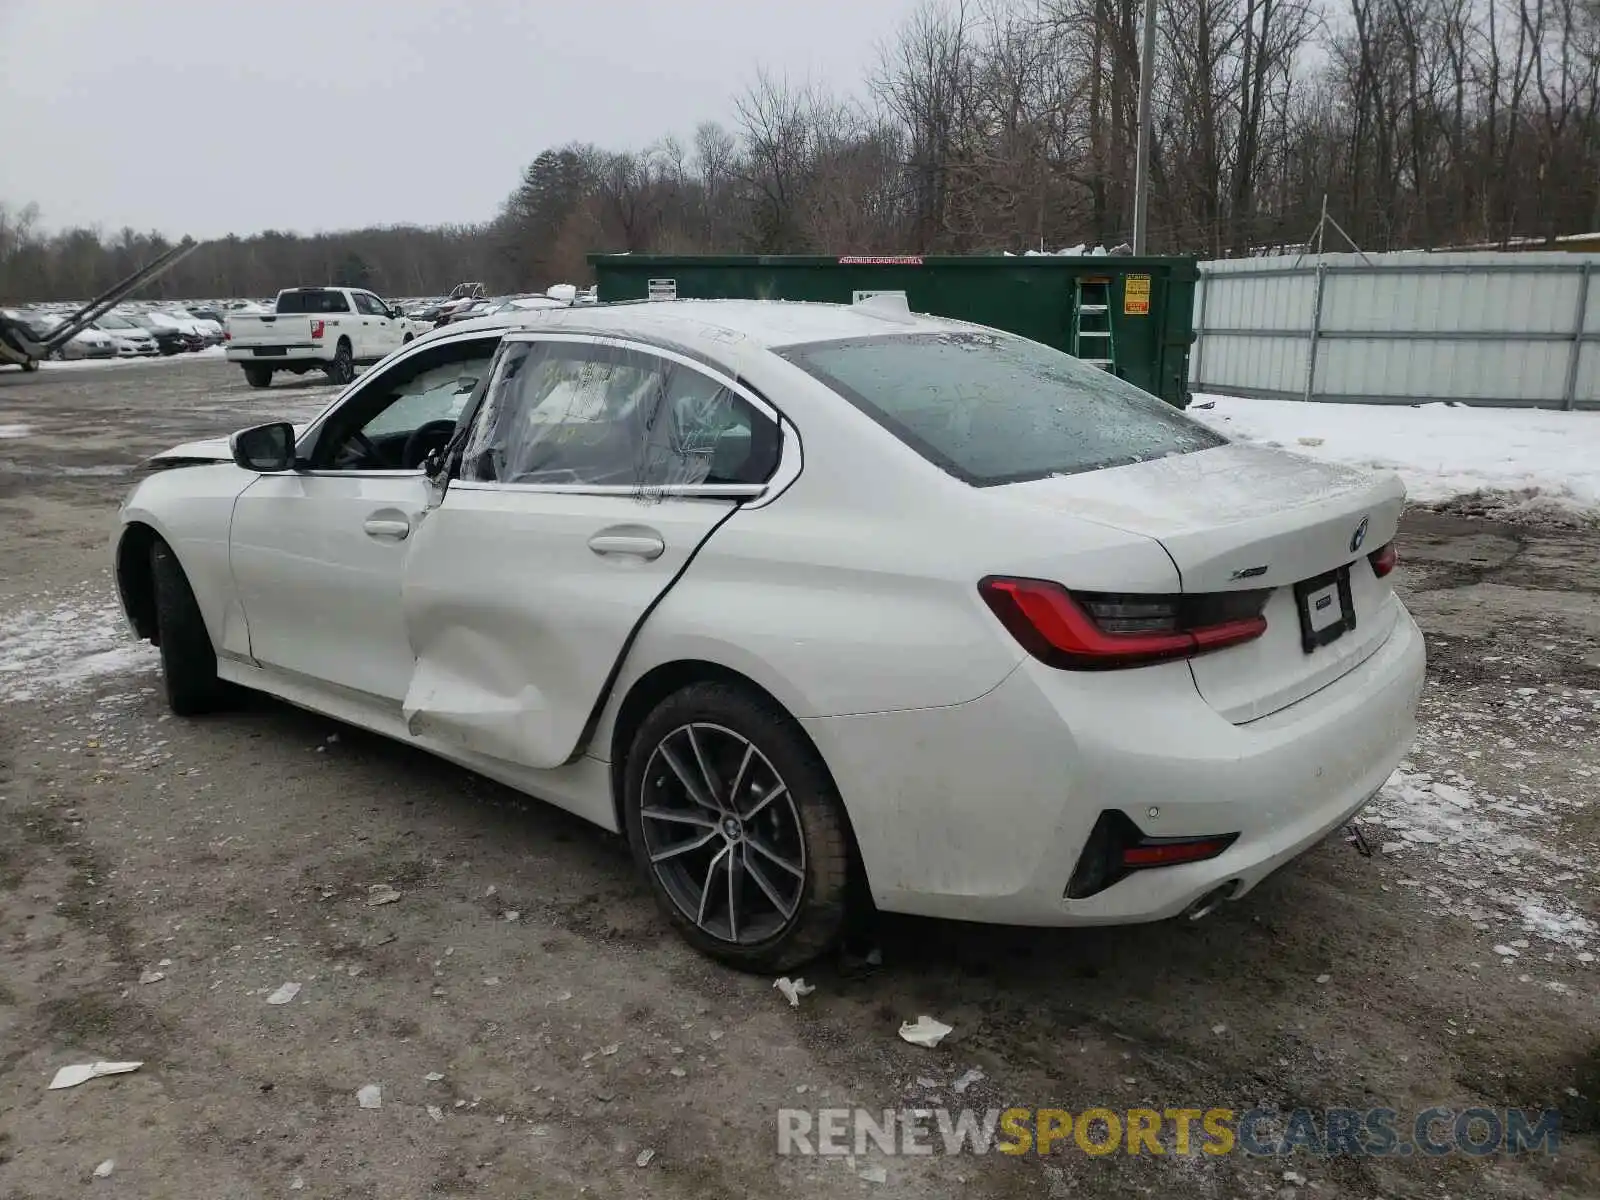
519	604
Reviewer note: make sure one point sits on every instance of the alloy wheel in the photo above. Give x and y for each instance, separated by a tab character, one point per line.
722	834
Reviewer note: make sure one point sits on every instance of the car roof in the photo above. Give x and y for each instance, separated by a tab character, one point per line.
768	323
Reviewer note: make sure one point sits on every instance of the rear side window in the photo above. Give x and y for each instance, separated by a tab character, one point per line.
613	416
992	409
291	303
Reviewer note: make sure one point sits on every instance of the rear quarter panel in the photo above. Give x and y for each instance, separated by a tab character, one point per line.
856	590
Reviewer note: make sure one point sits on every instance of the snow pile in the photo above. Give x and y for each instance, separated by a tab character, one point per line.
1512	462
209	354
80	638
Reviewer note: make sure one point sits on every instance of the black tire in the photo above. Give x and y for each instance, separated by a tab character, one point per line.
343	367
815	817
258	377
188	660
408	339
30	365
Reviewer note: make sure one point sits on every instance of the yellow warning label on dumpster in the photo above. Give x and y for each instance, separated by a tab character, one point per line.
1136	296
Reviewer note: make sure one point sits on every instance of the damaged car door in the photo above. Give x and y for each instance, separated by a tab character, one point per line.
592	472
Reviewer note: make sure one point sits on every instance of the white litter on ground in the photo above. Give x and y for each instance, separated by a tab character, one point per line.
370	1096
284	994
1541	459
15	431
793	989
72	1076
67	641
924	1031
103	1171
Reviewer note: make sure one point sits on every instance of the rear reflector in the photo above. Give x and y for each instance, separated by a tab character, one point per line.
1170	852
1116	848
1099	631
1384	559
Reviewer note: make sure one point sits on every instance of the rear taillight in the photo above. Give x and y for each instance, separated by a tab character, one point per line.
317	327
1099	631
227	335
1384	559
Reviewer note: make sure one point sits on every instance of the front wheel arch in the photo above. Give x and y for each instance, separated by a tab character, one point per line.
135	584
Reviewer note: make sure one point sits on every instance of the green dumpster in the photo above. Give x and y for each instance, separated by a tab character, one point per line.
1149	301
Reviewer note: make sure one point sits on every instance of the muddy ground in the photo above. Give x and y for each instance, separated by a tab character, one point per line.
234	854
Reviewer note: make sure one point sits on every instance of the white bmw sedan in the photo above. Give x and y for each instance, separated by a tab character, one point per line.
820	606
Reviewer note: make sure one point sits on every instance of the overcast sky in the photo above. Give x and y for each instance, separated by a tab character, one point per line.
242	115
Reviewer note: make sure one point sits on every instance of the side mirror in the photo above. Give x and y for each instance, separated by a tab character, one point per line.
265	448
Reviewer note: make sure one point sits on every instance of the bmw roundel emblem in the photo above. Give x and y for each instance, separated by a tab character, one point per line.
1359	536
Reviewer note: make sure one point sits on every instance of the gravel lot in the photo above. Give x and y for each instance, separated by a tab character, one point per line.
231	855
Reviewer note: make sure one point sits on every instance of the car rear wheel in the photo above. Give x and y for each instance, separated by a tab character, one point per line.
343	367
258	377
738	829
188	661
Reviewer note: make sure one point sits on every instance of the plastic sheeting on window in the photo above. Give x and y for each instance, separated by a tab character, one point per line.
587	413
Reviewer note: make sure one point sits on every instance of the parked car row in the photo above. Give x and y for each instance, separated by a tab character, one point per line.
144	329
128	333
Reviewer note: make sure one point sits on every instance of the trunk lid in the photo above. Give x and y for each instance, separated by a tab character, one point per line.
1241	518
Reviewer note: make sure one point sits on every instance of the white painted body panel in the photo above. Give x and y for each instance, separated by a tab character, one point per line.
971	772
515	622
321	594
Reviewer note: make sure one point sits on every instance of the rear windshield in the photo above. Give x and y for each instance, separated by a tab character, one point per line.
993	409
312	302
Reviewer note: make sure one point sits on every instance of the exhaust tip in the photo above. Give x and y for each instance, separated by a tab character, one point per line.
1208	903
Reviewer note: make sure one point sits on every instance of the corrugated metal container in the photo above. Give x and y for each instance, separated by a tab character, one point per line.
1031	295
1510	330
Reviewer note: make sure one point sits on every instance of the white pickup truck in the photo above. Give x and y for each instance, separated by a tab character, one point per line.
331	329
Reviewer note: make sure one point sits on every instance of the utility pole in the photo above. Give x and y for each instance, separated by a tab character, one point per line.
1141	160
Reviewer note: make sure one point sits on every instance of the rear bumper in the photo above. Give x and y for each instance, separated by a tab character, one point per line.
279	355
979	811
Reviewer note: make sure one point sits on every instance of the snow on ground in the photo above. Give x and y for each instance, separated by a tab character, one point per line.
15	431
1496	855
92	364
75	638
1535	460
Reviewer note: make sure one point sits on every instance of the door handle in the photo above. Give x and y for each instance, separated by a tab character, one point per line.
378	527
647	546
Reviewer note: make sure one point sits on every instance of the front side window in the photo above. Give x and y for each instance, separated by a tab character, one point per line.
406	411
608	416
369	305
993	408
